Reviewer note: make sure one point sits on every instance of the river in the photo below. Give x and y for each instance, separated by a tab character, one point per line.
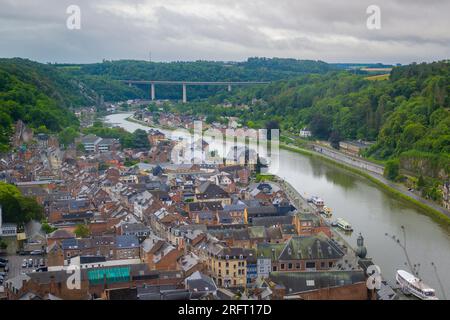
370	209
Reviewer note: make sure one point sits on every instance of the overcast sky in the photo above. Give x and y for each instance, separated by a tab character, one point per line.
328	30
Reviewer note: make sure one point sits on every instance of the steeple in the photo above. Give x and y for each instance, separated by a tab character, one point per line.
361	250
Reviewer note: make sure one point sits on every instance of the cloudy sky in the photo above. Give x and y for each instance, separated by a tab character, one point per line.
329	30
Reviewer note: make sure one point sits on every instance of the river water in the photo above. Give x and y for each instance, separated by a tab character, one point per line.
371	210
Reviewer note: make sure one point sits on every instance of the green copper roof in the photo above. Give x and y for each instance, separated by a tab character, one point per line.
118	274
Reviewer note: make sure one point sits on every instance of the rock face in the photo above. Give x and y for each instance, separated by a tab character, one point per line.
22	134
435	166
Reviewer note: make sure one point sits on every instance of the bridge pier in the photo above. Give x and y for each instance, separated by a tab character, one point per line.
184	93
152	91
229	88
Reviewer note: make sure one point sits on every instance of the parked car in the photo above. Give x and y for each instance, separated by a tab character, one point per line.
36	263
2	265
30	263
4	260
41	262
24	263
42	269
36	252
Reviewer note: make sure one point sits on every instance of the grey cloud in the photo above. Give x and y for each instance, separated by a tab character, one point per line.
412	30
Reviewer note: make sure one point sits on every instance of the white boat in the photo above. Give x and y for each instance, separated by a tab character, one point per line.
411	284
344	225
317	201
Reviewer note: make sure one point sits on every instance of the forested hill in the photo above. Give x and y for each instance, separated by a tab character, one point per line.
100	76
408	115
39	95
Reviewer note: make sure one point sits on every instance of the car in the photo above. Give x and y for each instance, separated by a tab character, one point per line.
4	260
42	269
2	274
24	263
36	252
2	265
41	262
30	263
36	263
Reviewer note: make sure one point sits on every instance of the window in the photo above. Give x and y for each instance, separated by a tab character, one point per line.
310	265
310	283
282	266
322	265
330	264
274	268
289	266
297	266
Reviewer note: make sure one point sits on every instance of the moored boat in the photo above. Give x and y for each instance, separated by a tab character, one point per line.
326	211
344	225
411	284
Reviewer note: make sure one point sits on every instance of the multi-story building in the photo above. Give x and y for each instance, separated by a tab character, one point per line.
228	267
302	253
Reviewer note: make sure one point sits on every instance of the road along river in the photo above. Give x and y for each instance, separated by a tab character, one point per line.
370	209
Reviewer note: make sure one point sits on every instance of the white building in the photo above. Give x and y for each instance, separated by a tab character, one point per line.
90	142
7	229
264	267
305	133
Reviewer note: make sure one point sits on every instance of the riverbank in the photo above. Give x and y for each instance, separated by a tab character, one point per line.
432	210
438	215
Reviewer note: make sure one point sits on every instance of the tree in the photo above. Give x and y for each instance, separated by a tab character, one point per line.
82	231
140	139
421	182
17	208
67	136
320	126
335	138
80	148
271	125
47	228
391	170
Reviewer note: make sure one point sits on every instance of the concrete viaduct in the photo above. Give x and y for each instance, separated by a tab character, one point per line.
184	84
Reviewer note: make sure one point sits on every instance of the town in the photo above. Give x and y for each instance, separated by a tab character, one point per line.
156	230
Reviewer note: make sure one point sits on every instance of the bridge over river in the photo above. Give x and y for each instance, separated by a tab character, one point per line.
184	84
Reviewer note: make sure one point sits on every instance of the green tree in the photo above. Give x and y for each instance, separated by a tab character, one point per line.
17	208
47	228
392	169
140	139
68	135
80	148
335	138
82	231
421	182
